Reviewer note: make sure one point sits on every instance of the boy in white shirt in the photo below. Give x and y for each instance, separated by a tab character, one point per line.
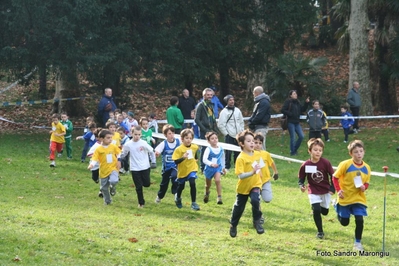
139	164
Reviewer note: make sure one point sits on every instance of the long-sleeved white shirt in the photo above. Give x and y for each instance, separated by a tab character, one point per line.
139	152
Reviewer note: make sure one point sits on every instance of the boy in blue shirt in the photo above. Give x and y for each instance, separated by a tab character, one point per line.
169	171
346	122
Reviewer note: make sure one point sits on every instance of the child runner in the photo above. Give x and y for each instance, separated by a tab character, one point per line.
96	166
318	172
194	126
57	137
120	123
89	138
214	166
146	135
89	119
346	122
249	183
124	114
124	139
185	157
108	157
152	123
116	138
68	135
139	165
268	162
316	120
169	171
351	180
131	122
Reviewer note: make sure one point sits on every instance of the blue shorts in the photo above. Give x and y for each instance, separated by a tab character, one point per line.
354	209
190	176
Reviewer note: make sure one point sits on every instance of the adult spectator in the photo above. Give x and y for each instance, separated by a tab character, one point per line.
186	105
231	122
354	102
259	120
174	116
216	102
292	108
205	118
106	105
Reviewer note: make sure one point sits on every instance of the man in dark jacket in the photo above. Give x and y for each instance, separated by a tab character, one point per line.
355	102
106	105
205	118
259	120
186	105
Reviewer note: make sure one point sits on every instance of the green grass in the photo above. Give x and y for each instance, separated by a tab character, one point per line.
54	217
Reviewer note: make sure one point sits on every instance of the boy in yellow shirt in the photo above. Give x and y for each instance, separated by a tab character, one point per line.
249	183
185	157
116	137
57	139
351	180
107	155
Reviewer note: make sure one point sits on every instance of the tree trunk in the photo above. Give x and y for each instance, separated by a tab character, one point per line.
67	86
359	69
384	94
224	80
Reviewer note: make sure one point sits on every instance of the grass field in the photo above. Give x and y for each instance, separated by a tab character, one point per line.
54	217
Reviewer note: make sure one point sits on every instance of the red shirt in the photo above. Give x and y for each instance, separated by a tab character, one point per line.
319	181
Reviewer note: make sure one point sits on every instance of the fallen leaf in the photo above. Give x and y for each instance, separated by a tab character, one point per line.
17	259
133	240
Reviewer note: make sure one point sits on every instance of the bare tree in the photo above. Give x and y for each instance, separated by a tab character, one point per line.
359	68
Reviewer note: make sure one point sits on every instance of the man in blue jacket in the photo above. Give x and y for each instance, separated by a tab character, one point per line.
259	120
106	105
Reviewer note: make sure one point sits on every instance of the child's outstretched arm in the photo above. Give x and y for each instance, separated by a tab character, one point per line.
275	175
301	184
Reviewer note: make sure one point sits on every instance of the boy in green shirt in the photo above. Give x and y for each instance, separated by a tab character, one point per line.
68	135
174	115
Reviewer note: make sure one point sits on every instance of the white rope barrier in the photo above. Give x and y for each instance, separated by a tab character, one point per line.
231	147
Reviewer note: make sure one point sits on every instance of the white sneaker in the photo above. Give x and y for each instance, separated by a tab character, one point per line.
52	164
345	141
59	155
358	246
355	131
157	200
122	171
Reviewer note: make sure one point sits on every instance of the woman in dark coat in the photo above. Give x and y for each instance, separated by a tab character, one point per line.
292	108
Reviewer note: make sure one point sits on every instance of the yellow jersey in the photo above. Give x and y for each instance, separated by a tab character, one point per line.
244	165
346	172
107	156
187	165
57	129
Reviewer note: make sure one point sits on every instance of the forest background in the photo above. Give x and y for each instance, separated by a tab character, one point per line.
142	48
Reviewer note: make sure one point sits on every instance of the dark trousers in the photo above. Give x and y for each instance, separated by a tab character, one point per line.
239	206
95	175
230	140
141	179
325	133
85	150
125	162
167	176
347	131
314	134
355	112
193	189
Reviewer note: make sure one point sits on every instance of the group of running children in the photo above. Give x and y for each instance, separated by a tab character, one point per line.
113	149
